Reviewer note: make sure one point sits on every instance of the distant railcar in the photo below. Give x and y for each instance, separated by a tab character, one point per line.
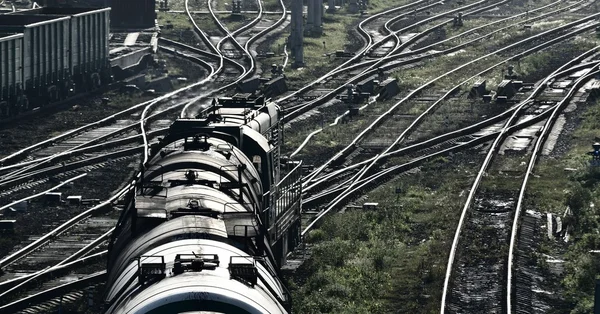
47	54
124	14
11	74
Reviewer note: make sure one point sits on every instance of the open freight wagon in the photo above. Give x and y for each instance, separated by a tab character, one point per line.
48	54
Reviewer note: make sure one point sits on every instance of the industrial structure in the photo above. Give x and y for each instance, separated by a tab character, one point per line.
314	18
295	40
210	220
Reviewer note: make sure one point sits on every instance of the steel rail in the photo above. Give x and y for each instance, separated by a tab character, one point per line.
10	259
378	177
426	144
53	292
413	39
417	121
201	52
417	161
50	270
392	57
126	111
534	155
94	244
34	166
194	59
431	82
358	55
248	43
86	149
58	169
43	192
483	169
424	50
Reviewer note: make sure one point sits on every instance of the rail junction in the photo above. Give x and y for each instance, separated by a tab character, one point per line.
494	88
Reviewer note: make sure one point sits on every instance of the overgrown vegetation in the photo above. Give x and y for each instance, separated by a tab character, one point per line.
583	266
391	258
569	182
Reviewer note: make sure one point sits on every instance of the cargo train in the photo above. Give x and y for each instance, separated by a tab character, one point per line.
124	14
210	221
48	54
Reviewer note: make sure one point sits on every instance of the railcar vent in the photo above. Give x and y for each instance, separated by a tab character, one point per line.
195	262
243	268
151	268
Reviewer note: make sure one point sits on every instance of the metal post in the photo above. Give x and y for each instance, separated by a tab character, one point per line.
318	21
297	34
241	196
331	6
310	16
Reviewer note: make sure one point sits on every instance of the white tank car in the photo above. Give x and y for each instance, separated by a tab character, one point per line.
210	223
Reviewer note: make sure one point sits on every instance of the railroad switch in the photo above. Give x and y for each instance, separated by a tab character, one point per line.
458	20
7	226
54	198
595	162
478	89
508	88
236	8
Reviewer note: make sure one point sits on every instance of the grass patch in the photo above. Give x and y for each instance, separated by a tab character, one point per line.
389	259
335	35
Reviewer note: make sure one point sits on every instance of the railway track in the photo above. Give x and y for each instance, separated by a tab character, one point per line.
193	107
383	117
92	133
40	162
94	141
400	59
477	281
355	184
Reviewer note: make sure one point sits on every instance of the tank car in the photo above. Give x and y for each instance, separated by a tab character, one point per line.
209	222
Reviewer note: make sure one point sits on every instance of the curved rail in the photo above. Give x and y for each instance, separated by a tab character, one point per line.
2	208
54	292
424	50
390	56
377	178
69	261
484	167
357	56
58	230
49	271
420	88
248	43
429	143
534	155
417	121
